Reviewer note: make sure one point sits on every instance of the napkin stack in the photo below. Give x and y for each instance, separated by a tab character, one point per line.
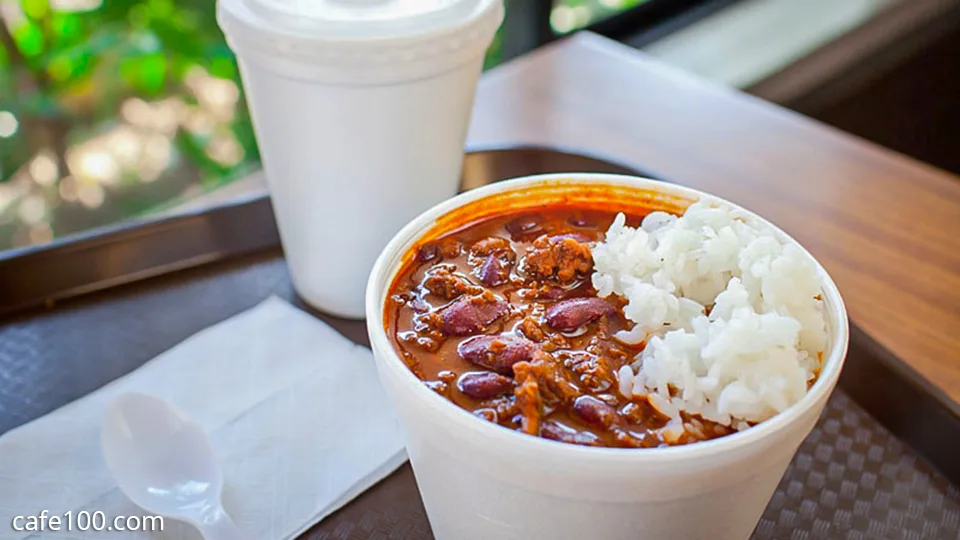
294	410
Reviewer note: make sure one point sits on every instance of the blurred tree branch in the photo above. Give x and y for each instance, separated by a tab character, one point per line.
36	82
45	131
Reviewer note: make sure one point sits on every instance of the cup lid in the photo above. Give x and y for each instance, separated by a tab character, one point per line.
365	19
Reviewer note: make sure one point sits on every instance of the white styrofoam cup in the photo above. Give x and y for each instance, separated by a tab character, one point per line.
480	481
361	117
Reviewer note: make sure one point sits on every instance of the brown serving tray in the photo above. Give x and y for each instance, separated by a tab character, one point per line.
75	319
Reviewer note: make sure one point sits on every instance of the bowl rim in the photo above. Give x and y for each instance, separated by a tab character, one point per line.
388	265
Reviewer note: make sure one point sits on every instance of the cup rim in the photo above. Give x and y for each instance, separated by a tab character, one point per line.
254	28
388	264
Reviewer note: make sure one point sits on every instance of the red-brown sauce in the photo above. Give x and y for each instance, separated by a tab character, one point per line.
500	317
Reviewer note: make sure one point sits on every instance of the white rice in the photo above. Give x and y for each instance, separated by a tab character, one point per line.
754	354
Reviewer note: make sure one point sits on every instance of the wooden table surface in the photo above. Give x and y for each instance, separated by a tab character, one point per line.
886	227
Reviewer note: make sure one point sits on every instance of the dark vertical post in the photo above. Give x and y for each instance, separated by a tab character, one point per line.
526	26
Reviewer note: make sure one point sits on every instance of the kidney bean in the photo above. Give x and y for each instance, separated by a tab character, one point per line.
484	384
493	271
498	353
523	226
556	432
469	315
419	305
427	253
593	411
579	221
568	315
551	293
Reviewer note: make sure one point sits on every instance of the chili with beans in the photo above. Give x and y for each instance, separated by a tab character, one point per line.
500	318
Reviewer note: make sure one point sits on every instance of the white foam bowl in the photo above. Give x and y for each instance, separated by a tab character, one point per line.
481	481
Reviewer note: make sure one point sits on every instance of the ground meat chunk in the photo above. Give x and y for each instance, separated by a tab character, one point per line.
414	364
560	259
600	345
554	342
553	384
415	301
640	413
450	247
593	371
445	282
543	292
541	383
491	244
530	405
629	440
505	407
427	325
426	343
531	328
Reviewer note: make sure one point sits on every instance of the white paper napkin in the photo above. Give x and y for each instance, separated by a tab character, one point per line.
295	412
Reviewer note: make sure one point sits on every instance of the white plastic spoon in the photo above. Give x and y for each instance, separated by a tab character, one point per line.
163	462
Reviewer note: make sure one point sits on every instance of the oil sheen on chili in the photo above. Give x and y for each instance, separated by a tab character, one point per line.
500	318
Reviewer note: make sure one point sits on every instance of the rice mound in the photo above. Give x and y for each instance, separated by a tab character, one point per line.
732	317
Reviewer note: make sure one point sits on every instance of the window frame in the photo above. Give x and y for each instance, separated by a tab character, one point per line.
527	23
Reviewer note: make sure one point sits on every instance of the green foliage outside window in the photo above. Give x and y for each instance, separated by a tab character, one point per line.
111	109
